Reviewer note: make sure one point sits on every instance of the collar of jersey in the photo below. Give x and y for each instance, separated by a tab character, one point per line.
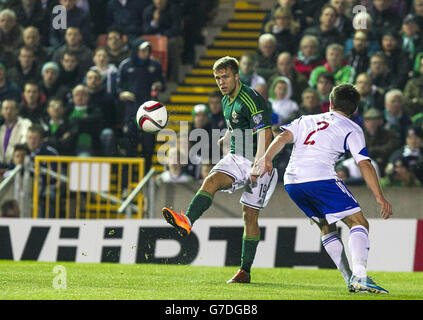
236	96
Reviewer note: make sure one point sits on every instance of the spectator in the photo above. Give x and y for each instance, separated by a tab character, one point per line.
116	47
108	71
50	85
308	57
200	140
379	72
335	65
413	93
358	58
285	29
325	84
127	16
75	17
8	88
411	153
26	69
84	118
349	172
164	18
31	39
20	152
383	18
7	57
195	16
310	103
263	90
400	176
60	134
106	102
395	117
37	145
174	172
418	12
215	106
396	60
266	55
247	73
280	93
411	38
309	10
293	6
362	21
10	209
74	44
69	75
326	31
33	105
10	30
12	132
98	10
400	7
285	68
138	75
31	13
370	95
381	143
343	22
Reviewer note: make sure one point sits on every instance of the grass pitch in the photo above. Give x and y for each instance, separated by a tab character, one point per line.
35	281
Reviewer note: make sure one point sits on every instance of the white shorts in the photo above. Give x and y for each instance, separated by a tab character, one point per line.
239	168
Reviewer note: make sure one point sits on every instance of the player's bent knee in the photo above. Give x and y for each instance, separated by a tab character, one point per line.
356	219
216	181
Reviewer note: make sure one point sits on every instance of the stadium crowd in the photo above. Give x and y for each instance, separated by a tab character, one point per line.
82	78
308	47
84	94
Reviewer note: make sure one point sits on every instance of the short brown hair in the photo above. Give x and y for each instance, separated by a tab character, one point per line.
226	63
345	98
37	128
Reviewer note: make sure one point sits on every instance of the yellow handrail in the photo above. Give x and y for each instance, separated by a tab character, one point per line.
85	187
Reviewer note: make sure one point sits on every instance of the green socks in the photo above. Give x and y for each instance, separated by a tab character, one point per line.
249	247
199	204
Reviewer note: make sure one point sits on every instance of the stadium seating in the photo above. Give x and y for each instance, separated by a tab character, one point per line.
238	36
159	51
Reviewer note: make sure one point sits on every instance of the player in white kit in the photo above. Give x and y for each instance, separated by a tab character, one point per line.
311	181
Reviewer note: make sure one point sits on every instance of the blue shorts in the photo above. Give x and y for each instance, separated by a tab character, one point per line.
325	199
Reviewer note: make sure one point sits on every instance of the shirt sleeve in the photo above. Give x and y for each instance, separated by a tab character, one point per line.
356	144
258	112
293	127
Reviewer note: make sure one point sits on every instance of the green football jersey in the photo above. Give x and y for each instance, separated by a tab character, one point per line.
246	115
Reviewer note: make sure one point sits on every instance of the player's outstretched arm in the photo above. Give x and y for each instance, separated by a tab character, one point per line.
369	174
264	164
263	141
224	139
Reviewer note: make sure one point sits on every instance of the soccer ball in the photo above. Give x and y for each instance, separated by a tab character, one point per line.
152	116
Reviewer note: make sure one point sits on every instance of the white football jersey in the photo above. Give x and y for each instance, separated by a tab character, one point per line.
319	141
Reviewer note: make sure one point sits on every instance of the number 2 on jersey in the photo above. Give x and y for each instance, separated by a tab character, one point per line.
323	125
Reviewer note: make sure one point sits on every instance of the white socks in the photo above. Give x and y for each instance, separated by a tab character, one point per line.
359	248
334	247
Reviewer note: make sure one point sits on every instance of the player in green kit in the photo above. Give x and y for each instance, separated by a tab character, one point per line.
249	130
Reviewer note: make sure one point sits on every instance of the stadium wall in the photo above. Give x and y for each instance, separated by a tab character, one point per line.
406	202
396	244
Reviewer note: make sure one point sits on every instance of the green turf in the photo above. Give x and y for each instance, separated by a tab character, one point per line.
34	280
